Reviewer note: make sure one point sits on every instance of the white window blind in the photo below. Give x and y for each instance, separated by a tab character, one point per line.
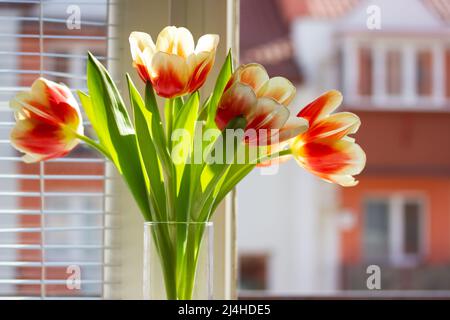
53	215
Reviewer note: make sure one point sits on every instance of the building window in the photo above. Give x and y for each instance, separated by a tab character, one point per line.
365	61
394	73
253	271
447	73
412	226
389	76
376	227
393	230
424	84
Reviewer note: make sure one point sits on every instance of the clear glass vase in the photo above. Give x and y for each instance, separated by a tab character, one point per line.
178	260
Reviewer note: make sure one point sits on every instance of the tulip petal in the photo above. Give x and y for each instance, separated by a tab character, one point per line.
201	62
38	93
139	42
142	50
342	180
268	114
166	38
238	100
321	107
49	102
278	88
267	117
41	139
184	42
200	66
252	74
169	74
330	160
334	127
36	100
177	41
292	128
207	42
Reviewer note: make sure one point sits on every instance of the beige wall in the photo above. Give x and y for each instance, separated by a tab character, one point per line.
200	16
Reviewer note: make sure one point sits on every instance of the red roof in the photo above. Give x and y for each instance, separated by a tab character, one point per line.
439	7
265	39
321	9
329	9
265	28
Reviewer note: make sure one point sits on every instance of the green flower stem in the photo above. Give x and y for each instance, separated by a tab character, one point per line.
169	113
94	145
167	264
192	254
274	155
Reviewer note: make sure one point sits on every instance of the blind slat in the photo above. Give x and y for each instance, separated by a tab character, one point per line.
54	264
52	229
52	20
68	159
36	36
52	177
52	55
53	212
53	247
43	72
52	281
51	194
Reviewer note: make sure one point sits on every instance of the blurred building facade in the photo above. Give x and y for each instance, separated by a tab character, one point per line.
391	60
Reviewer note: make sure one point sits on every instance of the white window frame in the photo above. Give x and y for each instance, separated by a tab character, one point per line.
396	202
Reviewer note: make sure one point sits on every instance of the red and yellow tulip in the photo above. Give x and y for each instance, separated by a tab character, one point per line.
263	102
174	65
49	125
48	121
325	148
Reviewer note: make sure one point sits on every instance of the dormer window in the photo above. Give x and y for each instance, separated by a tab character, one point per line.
447	73
365	62
390	73
424	68
394	72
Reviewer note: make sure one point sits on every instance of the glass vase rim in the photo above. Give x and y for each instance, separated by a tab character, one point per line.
153	223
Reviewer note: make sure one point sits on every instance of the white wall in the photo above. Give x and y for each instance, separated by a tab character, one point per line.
291	216
285	216
395	15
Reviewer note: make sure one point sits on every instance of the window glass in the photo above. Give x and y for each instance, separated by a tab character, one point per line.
424	85
253	271
393	72
412	226
447	72
365	60
376	231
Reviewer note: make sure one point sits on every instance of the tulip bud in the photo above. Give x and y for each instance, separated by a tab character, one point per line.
48	120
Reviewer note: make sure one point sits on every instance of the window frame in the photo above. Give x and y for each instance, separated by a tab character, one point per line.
409	97
396	226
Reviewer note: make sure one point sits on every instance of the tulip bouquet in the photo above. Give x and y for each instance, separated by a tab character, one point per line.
180	166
